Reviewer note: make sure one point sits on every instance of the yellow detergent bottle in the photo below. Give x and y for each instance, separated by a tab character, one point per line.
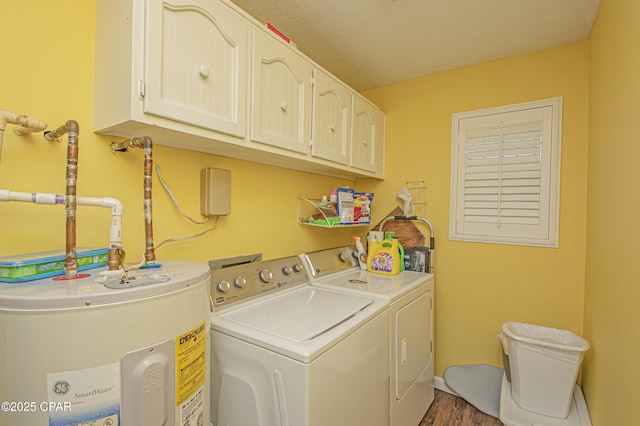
384	257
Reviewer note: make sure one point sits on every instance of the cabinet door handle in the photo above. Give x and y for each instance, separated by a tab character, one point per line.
204	71
283	106
364	142
332	128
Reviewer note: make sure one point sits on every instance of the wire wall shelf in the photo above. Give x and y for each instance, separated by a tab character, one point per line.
311	213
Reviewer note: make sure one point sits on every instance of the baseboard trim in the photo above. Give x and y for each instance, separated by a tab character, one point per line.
440	384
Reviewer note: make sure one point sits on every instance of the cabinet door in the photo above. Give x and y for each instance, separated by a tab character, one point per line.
196	64
367	136
331	130
281	95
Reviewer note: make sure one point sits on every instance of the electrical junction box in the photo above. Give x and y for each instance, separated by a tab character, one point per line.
215	192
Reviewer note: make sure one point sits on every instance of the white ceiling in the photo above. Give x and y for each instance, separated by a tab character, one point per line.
374	43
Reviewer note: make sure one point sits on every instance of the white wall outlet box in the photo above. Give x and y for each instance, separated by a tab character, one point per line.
215	192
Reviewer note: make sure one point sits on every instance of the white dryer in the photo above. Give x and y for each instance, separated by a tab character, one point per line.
287	353
409	296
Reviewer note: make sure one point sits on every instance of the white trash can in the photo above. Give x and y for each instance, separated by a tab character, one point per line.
505	355
544	364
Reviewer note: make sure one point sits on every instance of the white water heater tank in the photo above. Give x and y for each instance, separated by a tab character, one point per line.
130	353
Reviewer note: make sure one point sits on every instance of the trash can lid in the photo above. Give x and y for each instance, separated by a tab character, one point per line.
545	336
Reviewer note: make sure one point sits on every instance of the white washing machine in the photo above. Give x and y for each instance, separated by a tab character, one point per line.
132	352
287	353
409	296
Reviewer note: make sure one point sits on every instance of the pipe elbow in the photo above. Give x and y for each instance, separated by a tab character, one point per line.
3	121
117	209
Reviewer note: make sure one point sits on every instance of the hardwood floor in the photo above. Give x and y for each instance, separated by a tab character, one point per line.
450	410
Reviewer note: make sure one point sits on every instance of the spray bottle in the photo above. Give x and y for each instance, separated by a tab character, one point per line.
362	253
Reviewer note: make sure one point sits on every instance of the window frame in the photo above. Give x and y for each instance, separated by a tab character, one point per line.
547	231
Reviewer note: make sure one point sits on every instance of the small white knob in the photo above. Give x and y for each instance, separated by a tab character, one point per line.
287	270
204	71
297	268
283	106
265	276
332	128
364	142
223	286
240	282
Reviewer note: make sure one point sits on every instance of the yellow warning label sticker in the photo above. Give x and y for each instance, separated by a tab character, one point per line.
191	362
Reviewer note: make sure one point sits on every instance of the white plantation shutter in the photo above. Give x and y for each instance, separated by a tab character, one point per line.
505	174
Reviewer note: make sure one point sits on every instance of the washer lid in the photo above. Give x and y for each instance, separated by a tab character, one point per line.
387	286
301	314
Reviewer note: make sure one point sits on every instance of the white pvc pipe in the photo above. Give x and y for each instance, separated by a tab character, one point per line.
117	209
25	197
26	124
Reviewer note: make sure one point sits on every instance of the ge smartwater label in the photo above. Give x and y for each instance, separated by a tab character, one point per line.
93	395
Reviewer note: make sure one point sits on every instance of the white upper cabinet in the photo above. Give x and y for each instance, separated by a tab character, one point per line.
281	96
205	76
367	136
331	134
196	64
186	62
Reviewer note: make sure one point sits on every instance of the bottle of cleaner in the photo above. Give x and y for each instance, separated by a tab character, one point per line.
384	257
362	253
333	197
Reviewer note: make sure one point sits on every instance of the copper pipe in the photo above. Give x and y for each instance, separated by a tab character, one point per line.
113	259
146	143
73	129
150	255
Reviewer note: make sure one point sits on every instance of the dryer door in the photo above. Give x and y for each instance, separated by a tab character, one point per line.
412	342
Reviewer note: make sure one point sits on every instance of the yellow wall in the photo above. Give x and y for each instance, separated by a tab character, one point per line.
481	286
612	293
47	72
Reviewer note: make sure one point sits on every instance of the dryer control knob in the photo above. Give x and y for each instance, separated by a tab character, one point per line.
297	268
343	257
223	286
287	270
265	276
240	282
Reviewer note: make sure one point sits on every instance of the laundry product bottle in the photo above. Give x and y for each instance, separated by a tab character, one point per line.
384	257
401	251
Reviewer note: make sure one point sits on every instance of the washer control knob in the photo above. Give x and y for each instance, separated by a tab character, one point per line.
223	286
239	282
265	276
287	270
297	268
343	257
